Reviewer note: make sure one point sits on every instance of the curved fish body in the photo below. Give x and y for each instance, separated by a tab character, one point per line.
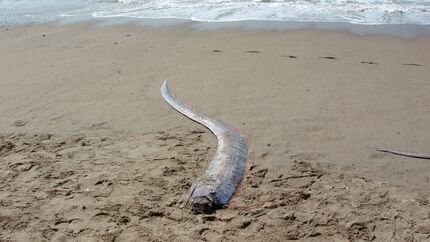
217	185
413	155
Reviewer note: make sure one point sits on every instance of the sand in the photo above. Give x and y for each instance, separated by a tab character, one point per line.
90	151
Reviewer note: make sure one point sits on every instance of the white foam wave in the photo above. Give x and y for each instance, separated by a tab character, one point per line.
352	11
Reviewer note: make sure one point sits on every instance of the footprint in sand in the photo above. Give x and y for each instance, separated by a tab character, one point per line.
98	126
369	62
6	146
379	155
290	56
411	64
19	123
308	156
256	178
252	51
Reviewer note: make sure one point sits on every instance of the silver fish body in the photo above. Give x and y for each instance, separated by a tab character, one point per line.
217	185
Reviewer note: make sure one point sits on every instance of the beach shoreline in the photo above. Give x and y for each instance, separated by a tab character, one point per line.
407	31
81	104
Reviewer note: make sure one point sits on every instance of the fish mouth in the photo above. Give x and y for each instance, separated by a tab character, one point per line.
202	205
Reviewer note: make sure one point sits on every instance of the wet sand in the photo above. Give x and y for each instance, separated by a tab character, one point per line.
90	151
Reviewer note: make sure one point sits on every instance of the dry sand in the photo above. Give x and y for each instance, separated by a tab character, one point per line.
89	150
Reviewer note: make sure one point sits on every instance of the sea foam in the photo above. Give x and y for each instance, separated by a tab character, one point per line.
350	11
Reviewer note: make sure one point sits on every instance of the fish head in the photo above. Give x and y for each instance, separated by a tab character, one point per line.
203	198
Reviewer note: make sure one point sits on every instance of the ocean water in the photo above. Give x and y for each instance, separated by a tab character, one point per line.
374	12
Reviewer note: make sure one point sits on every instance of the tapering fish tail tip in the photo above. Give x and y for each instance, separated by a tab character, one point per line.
164	86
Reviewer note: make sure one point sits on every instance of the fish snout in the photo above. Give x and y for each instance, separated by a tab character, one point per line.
202	205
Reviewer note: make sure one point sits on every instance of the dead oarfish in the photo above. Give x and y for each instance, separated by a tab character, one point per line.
217	185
